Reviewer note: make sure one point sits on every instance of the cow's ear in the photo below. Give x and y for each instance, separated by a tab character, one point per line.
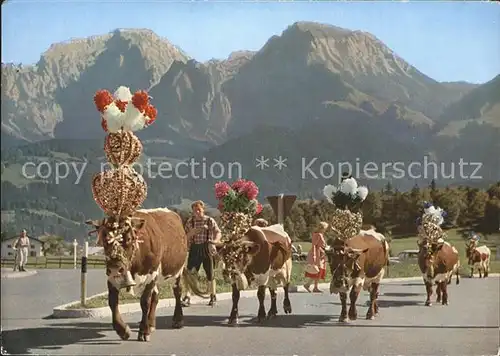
251	248
138	224
95	223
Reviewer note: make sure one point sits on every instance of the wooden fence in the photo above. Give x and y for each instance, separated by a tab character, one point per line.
56	262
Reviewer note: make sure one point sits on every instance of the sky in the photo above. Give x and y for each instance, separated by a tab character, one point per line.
448	41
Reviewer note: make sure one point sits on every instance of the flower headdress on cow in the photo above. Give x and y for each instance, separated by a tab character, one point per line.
429	225
348	198
121	190
238	205
473	239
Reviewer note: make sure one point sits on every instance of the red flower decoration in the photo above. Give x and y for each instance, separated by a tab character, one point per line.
151	113
220	206
140	100
102	98
122	105
250	190
221	189
259	208
104	125
238	185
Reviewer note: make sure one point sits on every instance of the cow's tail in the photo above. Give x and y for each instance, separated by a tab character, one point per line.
191	282
457	272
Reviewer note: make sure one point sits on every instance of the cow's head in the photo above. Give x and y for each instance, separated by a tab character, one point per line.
236	256
428	250
119	237
344	265
470	248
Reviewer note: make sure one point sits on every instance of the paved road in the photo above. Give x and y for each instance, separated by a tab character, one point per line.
468	326
34	297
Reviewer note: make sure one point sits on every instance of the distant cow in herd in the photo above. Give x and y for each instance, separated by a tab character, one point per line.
358	263
262	257
478	257
438	261
160	255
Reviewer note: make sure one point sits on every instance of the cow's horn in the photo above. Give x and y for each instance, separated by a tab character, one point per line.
355	250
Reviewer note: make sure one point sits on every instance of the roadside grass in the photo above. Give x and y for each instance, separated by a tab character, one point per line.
298	278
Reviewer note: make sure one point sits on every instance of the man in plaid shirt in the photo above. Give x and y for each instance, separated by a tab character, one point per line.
200	230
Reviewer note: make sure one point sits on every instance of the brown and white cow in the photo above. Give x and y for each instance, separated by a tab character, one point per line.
478	257
160	255
358	263
263	257
438	261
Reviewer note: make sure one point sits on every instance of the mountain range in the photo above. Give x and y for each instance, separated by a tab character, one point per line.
315	91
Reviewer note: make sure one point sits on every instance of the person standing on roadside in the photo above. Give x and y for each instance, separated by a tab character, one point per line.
22	249
201	229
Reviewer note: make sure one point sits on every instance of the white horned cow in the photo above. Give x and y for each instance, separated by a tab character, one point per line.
263	257
478	257
142	250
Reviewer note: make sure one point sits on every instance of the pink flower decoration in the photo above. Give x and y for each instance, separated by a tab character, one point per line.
259	208
250	190
221	189
238	185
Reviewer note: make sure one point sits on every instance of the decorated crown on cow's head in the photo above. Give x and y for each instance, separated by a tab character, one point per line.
121	190
348	198
431	221
238	205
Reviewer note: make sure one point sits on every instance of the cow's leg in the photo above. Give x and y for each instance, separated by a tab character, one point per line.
438	292
428	288
376	300
444	290
486	268
144	332
122	329
273	311
233	317
479	270
287	306
353	296
472	271
261	295
152	310
373	308
343	311
178	318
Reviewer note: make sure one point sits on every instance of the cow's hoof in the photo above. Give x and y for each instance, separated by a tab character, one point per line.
343	319
438	300
125	335
271	315
143	337
428	303
287	309
177	324
233	322
152	329
445	303
353	316
370	317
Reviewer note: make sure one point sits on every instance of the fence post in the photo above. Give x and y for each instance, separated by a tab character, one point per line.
83	294
75	244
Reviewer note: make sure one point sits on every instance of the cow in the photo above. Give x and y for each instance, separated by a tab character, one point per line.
438	261
159	255
263	256
356	263
478	257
